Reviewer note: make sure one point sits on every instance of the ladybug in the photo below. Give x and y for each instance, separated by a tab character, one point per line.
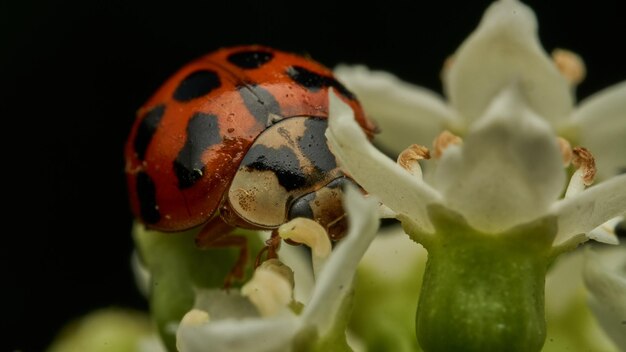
236	139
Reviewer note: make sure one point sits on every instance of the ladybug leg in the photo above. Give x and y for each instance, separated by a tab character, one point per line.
272	245
217	234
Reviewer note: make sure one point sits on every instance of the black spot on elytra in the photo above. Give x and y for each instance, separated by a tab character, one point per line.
146	129
314	81
259	102
282	162
197	84
313	145
146	192
202	133
250	59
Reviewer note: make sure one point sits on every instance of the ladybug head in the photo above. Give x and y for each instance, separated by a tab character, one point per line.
290	172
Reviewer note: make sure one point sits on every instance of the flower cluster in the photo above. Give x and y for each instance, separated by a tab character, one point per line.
494	204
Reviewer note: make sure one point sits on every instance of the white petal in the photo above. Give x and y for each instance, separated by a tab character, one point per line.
503	48
405	113
299	260
375	172
269	289
605	277
591	208
220	304
335	280
508	170
246	335
601	122
605	233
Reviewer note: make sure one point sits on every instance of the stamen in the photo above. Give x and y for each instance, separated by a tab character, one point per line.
585	172
195	317
409	158
443	141
279	268
271	287
570	65
566	151
584	160
310	233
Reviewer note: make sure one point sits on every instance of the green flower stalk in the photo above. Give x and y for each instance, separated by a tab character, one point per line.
497	300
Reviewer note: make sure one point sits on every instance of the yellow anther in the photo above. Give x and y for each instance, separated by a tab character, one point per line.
583	160
195	317
409	158
308	232
585	172
312	234
443	141
570	65
271	288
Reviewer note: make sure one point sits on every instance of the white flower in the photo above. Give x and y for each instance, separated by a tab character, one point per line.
507	172
494	197
605	278
504	47
221	322
495	207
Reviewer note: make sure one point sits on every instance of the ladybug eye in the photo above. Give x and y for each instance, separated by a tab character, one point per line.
301	208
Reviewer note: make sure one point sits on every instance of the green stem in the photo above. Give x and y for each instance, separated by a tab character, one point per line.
484	292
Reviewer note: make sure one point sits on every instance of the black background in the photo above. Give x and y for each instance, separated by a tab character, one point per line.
74	72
